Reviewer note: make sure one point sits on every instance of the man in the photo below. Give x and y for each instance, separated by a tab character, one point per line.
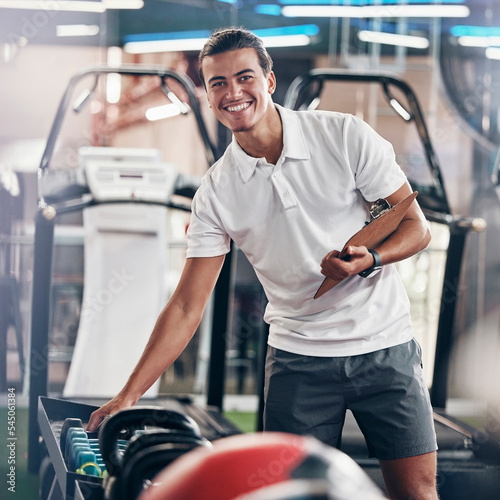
291	187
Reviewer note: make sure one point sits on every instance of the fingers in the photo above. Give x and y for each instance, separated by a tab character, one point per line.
333	267
95	419
357	251
339	269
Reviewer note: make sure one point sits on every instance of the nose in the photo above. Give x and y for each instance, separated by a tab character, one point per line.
233	90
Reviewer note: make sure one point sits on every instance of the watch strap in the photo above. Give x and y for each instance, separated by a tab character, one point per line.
376	266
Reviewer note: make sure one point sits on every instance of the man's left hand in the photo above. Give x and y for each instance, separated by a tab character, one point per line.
358	259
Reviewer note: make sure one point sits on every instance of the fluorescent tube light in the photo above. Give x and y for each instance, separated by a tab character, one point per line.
161	112
123	4
479	31
71	5
493	53
196	44
369	11
414	42
478	41
54	6
288	36
286	41
152	46
77	30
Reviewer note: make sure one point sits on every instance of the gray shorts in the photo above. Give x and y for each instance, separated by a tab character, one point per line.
384	389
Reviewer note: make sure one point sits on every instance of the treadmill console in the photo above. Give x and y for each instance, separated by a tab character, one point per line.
115	174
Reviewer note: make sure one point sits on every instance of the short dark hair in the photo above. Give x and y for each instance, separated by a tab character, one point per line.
227	39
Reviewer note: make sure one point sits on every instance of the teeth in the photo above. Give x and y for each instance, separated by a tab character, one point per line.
239	107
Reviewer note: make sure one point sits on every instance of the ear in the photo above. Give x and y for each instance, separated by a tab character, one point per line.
271	82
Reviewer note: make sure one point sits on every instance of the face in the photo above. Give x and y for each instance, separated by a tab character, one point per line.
238	91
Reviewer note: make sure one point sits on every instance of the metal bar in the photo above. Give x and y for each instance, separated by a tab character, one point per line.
217	365
449	296
261	374
40	318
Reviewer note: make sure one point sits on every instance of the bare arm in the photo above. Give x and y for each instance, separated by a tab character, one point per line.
411	236
173	330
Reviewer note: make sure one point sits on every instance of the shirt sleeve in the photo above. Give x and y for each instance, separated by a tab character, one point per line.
206	236
372	160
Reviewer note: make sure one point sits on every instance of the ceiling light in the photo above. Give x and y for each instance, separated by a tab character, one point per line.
71	5
479	31
152	46
414	42
64	6
287	36
268	9
77	30
478	41
123	4
371	11
161	112
493	53
286	41
196	44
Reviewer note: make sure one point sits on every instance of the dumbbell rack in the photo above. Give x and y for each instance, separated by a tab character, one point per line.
51	415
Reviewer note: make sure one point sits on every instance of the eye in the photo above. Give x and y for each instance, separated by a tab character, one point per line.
245	77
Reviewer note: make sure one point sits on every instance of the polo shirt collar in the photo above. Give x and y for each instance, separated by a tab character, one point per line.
294	145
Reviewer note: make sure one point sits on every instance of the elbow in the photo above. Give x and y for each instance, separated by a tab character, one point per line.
427	236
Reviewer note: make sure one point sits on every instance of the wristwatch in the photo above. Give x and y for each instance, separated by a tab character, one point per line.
374	268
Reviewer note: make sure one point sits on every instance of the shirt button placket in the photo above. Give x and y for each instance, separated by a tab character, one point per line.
283	190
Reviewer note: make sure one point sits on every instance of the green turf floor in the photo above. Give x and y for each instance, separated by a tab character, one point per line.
26	485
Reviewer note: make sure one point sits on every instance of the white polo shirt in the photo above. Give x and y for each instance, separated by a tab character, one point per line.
287	217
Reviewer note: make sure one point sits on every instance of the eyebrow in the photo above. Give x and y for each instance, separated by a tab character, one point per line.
216	78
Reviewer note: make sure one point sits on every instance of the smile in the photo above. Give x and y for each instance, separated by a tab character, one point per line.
239	107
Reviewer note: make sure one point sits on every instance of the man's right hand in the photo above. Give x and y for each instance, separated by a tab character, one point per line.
118	403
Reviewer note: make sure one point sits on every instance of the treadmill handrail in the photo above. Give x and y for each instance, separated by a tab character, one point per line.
384	79
131	70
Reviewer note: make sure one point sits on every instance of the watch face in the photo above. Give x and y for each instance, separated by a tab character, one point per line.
378	208
373	272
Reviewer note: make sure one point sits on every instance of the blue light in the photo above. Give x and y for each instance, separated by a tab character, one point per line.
304	29
268	9
228	1
362	3
175	35
482	31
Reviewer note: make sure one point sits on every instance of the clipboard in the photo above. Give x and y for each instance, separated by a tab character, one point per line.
372	234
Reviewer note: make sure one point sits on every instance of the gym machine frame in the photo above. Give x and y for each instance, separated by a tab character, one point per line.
433	201
479	472
45	220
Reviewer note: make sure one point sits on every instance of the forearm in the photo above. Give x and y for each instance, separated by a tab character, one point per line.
412	236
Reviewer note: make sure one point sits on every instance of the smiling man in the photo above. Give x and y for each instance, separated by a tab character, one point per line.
290	187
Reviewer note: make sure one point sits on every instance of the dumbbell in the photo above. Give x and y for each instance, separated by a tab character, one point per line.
158	437
81	455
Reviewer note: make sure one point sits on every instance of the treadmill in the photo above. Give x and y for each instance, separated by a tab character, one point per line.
468	458
58	197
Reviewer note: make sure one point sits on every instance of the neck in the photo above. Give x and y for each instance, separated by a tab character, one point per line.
264	141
